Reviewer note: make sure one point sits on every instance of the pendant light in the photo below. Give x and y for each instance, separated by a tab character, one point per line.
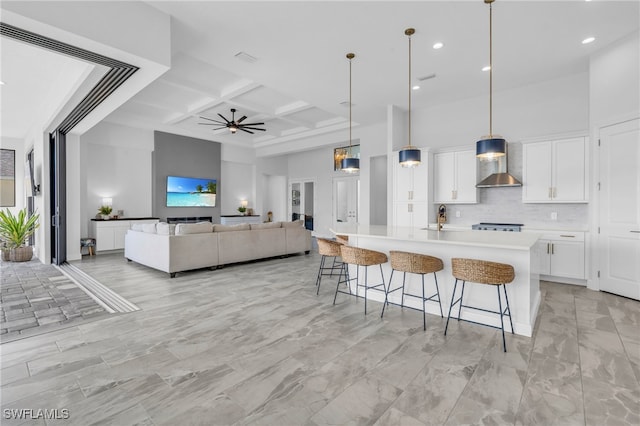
492	146
409	155
350	164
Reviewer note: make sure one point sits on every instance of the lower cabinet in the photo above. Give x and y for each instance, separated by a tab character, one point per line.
412	214
109	234
562	255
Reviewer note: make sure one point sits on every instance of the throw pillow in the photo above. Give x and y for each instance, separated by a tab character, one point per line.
193	228
294	224
267	225
164	228
227	228
149	228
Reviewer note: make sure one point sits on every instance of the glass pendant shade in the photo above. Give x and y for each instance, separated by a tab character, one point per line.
350	165
490	148
409	156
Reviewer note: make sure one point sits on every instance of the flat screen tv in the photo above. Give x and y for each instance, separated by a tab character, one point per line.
191	192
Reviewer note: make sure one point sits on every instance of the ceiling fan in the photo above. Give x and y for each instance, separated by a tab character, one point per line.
233	125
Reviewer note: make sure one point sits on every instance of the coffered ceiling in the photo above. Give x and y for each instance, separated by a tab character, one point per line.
284	62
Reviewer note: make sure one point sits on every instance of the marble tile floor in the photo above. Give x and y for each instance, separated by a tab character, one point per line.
37	298
252	344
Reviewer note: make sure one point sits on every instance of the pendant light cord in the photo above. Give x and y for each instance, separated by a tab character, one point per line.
350	105
409	90
490	70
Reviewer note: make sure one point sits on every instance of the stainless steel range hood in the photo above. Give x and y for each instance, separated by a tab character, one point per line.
498	174
498	179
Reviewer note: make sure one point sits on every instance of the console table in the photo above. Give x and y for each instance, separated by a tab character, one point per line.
236	219
109	234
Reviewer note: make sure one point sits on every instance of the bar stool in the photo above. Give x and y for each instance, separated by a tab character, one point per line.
360	257
414	263
328	248
482	272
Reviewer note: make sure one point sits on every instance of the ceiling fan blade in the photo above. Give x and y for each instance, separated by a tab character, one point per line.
254	128
244	117
211	119
227	121
218	128
246	130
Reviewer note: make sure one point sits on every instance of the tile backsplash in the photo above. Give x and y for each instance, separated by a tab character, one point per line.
505	204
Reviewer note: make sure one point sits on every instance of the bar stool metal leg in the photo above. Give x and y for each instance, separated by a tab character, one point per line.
504	342
435	277
461	296
424	309
453	297
508	308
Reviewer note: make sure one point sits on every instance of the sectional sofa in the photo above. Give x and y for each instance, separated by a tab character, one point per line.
180	247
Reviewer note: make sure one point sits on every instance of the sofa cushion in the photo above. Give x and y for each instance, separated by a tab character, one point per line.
227	228
164	228
294	224
136	227
266	225
193	228
149	228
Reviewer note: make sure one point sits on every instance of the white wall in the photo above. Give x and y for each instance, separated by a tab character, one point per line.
117	163
548	108
237	183
615	82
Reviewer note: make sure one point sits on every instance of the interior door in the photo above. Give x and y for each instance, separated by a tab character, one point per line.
346	199
619	238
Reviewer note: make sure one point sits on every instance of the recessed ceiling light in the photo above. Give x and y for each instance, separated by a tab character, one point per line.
1	83
438	45
487	68
588	40
416	87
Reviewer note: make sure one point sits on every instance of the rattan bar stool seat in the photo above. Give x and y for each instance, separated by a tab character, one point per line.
482	272
414	263
360	257
328	249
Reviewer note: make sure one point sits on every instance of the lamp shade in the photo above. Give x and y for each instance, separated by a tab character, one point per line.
487	149
409	157
350	165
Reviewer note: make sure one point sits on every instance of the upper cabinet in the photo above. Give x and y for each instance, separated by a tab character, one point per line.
454	177
554	171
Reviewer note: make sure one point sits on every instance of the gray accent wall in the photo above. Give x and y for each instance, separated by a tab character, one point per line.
176	155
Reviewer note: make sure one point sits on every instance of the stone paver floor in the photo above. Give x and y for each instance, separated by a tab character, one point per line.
37	298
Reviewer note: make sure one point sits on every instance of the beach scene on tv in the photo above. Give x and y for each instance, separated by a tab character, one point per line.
191	192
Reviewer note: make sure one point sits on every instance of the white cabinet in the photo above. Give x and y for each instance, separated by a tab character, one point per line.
454	175
554	171
414	215
562	255
410	192
109	234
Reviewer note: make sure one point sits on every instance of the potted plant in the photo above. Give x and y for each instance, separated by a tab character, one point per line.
105	211
242	209
14	231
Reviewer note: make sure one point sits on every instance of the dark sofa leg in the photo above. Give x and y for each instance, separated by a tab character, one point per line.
307	252
172	274
128	260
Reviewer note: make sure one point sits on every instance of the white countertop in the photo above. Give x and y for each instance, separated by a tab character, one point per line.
508	240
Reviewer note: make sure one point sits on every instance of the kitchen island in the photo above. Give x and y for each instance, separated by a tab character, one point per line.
514	248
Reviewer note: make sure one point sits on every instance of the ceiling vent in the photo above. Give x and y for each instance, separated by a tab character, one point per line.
243	56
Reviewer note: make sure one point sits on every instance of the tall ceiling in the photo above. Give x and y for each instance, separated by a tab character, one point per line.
298	79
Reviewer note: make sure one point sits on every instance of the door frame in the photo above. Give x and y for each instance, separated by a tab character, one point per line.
302	182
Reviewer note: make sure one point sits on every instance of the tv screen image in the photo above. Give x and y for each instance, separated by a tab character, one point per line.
191	192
